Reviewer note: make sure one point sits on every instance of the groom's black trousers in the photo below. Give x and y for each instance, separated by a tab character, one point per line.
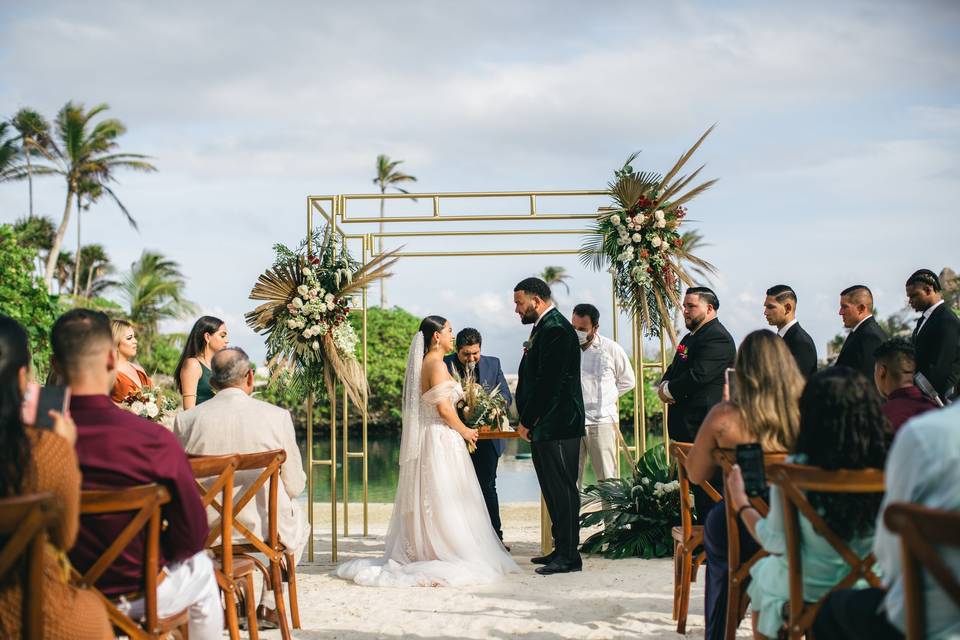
557	463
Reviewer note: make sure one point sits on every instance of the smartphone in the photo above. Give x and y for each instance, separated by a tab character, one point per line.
750	461
730	379
39	401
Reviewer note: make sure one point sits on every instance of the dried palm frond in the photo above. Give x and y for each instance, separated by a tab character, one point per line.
377	269
347	370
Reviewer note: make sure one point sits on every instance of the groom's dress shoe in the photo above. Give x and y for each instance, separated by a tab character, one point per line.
547	559
559	566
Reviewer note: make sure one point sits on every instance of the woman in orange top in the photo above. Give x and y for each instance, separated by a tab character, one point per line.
130	376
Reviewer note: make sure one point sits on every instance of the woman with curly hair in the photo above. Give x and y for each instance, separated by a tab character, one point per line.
841	427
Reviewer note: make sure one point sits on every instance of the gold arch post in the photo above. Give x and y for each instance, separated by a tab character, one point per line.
337	212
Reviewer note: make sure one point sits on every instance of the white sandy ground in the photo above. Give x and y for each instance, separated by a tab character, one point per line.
608	599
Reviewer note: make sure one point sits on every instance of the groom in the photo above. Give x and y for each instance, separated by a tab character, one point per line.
550	404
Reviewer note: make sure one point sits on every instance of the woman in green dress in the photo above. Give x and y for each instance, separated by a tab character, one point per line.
192	375
841	427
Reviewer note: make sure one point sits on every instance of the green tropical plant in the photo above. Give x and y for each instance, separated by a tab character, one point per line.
388	177
8	154
950	282
554	276
638	513
37	233
35	139
85	154
153	290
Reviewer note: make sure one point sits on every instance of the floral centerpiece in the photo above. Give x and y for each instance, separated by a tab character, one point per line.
149	403
480	409
306	314
638	513
640	238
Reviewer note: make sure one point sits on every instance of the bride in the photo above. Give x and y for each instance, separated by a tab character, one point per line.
440	532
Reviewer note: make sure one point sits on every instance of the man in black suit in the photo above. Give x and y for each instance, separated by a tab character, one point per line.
936	337
694	381
550	404
780	310
856	309
486	371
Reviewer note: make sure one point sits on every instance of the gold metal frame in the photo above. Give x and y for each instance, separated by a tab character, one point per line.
335	211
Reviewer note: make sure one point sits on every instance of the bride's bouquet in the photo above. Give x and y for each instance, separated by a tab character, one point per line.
480	409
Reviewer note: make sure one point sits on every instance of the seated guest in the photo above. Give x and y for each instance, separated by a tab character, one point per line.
130	376
856	309
116	450
233	422
192	375
841	427
764	409
937	334
893	376
41	461
780	310
487	372
923	468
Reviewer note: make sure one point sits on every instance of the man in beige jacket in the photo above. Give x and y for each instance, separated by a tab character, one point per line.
233	422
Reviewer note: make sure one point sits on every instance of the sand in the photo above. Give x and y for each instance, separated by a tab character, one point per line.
609	599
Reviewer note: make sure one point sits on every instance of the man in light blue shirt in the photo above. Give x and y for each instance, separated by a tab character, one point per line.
923	468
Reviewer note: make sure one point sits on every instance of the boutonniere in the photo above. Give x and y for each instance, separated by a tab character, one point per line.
682	352
527	344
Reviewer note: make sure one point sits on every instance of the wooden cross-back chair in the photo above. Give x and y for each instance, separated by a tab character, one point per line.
687	538
282	565
920	528
794	480
144	502
738	570
234	576
24	523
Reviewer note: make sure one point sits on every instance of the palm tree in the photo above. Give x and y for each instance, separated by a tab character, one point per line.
554	276
8	154
96	265
37	234
86	152
34	133
692	242
154	291
64	271
388	177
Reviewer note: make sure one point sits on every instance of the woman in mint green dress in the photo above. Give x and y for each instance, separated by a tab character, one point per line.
192	375
841	427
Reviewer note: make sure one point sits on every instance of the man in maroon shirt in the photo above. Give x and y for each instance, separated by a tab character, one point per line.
117	449
893	374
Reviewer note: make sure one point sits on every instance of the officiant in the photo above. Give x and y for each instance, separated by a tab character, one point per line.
487	372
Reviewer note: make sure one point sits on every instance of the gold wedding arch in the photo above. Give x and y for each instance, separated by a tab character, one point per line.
463	215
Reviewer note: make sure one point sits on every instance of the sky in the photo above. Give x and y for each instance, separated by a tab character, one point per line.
837	145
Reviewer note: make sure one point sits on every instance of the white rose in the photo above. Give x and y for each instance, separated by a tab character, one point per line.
615	219
331	306
660	224
656	241
659	214
291	324
298	303
137	407
303	290
315	345
307	334
637	237
328	298
306	271
152	409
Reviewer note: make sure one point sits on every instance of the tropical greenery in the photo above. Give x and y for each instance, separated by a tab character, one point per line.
35	141
8	153
638	513
554	276
388	177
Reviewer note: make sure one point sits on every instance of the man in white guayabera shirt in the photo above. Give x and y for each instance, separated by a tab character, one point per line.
605	375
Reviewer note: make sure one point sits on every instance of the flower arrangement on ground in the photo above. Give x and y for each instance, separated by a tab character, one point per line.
306	314
149	403
639	238
480	409
638	513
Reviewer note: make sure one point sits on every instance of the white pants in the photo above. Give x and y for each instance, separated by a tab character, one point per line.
192	585
600	444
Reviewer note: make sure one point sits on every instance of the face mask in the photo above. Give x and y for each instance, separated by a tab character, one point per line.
583	336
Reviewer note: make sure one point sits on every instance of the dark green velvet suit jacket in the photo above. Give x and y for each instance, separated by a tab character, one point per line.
549	398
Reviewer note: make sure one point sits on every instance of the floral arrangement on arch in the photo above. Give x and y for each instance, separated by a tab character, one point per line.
640	239
306	314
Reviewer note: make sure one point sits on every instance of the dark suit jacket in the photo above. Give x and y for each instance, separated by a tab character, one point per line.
696	377
803	349
549	397
938	349
489	375
857	351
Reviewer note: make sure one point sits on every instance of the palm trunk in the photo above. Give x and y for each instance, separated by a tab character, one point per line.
86	291
30	184
76	266
383	281
58	240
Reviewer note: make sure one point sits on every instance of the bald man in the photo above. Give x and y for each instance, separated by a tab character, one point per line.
856	309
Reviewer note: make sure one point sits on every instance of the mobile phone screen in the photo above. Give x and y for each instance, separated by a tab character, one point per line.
750	460
51	397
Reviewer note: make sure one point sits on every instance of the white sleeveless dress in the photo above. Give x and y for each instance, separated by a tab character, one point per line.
440	532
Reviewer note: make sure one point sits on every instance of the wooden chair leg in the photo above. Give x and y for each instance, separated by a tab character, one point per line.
731	617
230	604
250	602
686	571
291	574
276	580
676	579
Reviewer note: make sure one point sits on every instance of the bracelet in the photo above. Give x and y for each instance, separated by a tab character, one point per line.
744	508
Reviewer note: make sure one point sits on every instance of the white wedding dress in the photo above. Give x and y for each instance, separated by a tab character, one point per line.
440	532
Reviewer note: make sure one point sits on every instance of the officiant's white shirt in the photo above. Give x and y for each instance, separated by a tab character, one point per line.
605	375
233	422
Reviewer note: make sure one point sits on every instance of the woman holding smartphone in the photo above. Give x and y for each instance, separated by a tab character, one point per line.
35	461
763	409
